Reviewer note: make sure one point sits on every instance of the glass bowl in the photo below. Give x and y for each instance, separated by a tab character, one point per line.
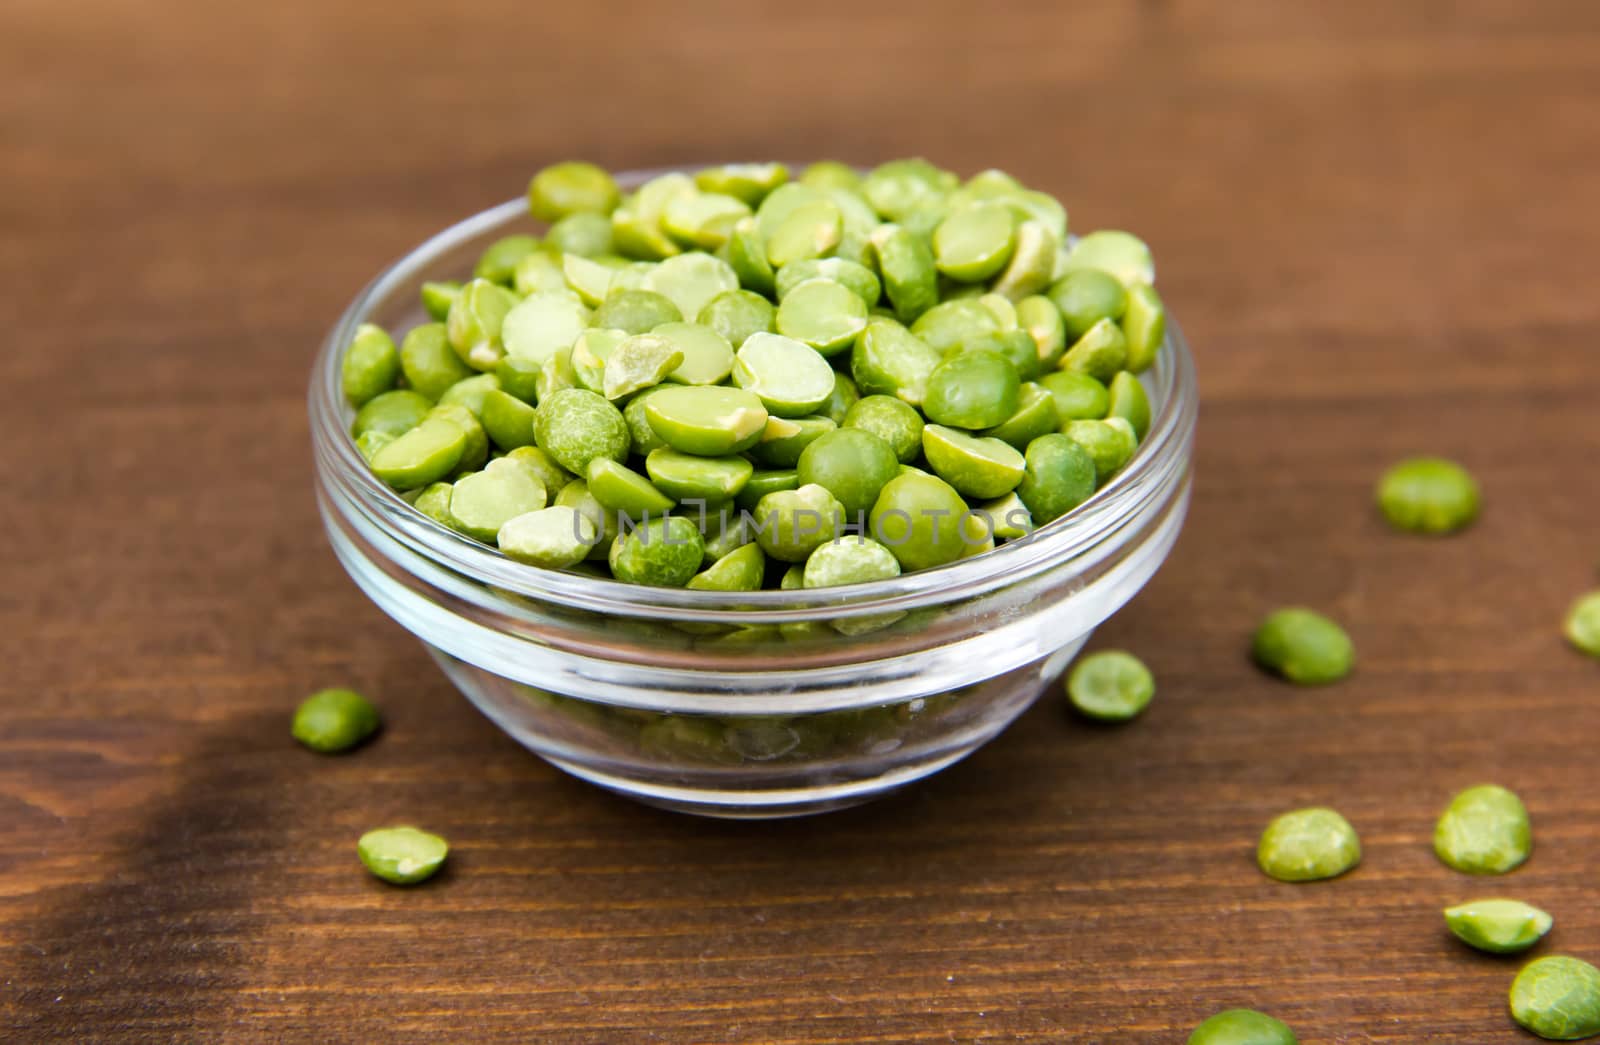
758	704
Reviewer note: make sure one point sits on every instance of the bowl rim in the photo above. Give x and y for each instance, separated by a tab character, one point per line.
343	473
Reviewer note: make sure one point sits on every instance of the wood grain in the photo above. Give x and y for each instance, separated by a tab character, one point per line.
1377	224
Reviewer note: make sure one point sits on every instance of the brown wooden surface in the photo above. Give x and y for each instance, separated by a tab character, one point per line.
1378	224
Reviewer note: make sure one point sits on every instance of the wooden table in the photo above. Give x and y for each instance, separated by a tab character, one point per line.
1378	225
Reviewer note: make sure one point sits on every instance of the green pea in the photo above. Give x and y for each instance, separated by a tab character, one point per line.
436	297
642	436
1303	647
1078	397
1101	352
741	569
891	420
825	315
1242	1027
972	390
1308	845
1032	263
1111	686
1145	325
1498	926
476	449
583	234
708	420
854	560
1111	443
785	439
473	325
830	174
689	739
575	427
434	502
1035	416
392	413
890	360
1484	830
1039	316
1086	296
499	259
789	377
484	501
664	553
1058	475
845	395
852	464
544	324
950	326
554	538
550	474
746	253
791	524
704	220
899	187
794	578
690	281
554	375
620	489
334	720
1015	346
810	230
540	272
919	518
1121	254
429	363
519	378
1582	626
1128	401
724	529
687	477
749	183
1006	518
507	420
910	277
640	362
976	466
369	443
371	365
735	315
861	280
635	311
470	392
576	495
1557	998
591	280
589	355
424	454
975	242
402	855
1428	495
571	188
764	481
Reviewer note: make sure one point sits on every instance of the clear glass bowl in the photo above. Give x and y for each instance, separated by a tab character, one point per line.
762	704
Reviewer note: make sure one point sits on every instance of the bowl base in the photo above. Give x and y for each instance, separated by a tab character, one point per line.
745	804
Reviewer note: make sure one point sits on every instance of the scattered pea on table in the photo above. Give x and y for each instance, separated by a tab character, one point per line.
1111	686
1557	998
1428	495
402	855
1242	1027
1303	647
1308	845
1484	830
334	720
1498	926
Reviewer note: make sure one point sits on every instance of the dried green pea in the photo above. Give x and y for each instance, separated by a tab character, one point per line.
334	720
1484	830
370	366
1308	845
402	855
1498	926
